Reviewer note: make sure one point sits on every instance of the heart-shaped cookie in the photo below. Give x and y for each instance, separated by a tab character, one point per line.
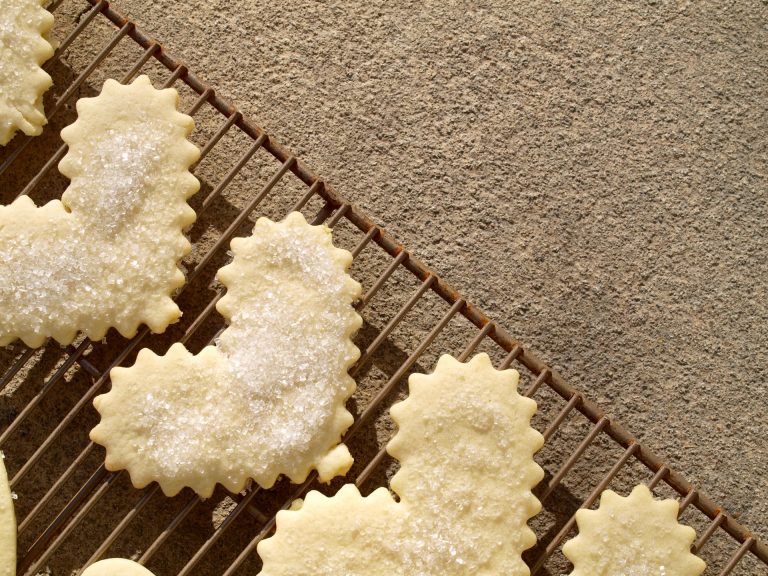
269	398
632	535
107	253
466	450
116	567
23	48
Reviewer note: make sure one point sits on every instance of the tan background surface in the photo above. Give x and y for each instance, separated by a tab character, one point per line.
592	177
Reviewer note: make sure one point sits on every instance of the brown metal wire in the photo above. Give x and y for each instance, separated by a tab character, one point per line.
334	209
115	534
573	458
37	398
707	534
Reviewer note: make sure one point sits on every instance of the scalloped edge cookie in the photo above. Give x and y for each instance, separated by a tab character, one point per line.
116	567
636	534
269	398
107	254
21	100
466	449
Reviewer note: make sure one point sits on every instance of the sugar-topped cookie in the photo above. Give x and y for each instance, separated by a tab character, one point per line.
269	398
635	535
466	451
107	253
23	48
7	525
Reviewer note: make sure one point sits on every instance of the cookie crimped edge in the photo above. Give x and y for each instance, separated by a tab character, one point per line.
39	81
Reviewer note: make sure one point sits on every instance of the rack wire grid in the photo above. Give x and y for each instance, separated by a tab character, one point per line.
73	511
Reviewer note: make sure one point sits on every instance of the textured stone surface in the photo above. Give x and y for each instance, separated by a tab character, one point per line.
593	177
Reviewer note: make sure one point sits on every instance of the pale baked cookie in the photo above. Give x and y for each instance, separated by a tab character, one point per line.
107	253
116	567
466	450
23	48
269	398
7	525
634	535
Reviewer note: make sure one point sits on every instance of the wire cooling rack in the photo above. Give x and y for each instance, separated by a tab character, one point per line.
72	511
